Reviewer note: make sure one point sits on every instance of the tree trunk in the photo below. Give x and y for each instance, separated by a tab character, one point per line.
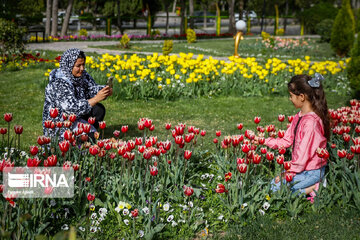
232	28
174	7
167	20
119	22
191	13
241	9
263	15
48	18
286	14
182	15
65	24
205	15
54	23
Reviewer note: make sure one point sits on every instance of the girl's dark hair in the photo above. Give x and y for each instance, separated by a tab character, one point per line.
82	55
316	95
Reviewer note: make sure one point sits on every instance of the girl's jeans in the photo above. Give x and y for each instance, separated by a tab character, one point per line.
301	180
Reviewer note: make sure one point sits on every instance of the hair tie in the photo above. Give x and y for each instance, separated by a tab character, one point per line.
315	81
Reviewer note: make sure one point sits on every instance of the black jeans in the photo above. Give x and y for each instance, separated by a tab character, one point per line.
97	111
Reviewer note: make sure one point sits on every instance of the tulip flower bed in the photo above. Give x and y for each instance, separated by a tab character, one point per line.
22	61
146	187
172	77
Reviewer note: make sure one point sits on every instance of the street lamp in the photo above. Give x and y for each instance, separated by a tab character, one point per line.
240	27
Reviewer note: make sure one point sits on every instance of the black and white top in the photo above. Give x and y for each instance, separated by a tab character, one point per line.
68	93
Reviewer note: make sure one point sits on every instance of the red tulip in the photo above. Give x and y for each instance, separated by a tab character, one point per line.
218	133
220	188
94	150
76	167
8	117
322	153
215	140
341	153
167	126
87	128
48	190
67	124
141	126
257	120
189	137
33	162
256	158
280	159
72	117
64	116
289	177
90	197
261	140
333	145
281	133
64	146
148	123
54	112
282	150
281	117
100	144
187	154
152	128
290	118
202	133
242	168
135	213
153	171
270	156
346	137
102	125
240	126
59	124
50	161
188	191
1	188
245	148
179	129
3	131
287	165
167	145
228	176
67	166
124	128
18	129
263	150
68	134
34	150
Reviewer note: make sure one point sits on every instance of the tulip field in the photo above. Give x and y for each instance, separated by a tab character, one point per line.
157	170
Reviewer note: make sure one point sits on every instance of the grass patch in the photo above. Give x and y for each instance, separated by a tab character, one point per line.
225	48
23	94
336	224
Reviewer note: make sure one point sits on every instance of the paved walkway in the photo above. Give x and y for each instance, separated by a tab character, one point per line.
90	46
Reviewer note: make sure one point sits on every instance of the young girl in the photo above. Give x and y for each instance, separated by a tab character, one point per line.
309	130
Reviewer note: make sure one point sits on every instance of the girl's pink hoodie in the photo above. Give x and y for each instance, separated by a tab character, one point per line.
309	137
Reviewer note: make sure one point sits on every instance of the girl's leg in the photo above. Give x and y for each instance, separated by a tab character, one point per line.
307	179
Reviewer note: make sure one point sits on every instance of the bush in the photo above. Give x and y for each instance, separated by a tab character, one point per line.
324	29
316	14
168	47
124	42
353	70
343	31
190	35
83	32
11	38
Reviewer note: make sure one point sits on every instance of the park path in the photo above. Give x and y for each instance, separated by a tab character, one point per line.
91	46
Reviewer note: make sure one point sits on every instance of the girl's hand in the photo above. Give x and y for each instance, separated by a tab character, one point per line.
255	140
277	179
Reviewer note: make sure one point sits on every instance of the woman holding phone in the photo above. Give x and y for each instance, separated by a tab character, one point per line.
71	90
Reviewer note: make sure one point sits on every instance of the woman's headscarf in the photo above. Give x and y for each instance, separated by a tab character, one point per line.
67	63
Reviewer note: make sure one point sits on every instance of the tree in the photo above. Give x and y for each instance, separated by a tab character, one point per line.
232	28
54	23
353	70
166	5
343	32
65	24
48	17
191	13
182	16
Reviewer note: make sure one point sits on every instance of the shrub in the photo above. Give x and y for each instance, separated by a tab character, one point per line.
343	31
83	32
11	38
353	70
168	47
316	14
280	32
265	35
190	35
124	42
323	28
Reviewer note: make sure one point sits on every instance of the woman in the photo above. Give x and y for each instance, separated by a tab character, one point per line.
73	91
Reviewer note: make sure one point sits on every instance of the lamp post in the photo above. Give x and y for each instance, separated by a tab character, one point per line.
240	27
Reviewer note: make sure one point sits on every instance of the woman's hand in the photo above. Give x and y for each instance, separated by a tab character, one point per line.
255	140
101	95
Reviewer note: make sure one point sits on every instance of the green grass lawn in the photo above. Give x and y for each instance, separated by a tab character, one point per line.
22	93
224	48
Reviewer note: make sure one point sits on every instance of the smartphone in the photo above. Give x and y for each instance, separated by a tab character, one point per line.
110	82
